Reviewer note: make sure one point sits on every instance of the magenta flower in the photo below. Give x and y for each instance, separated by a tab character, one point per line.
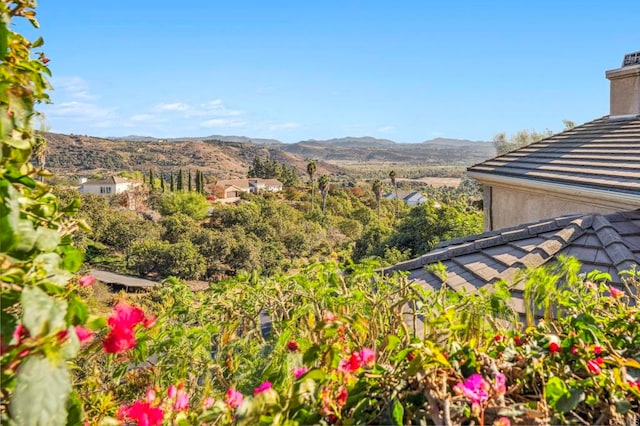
293	346
500	385
554	347
233	398
299	372
594	365
208	402
84	335
265	386
143	413
474	389
151	395
367	356
350	365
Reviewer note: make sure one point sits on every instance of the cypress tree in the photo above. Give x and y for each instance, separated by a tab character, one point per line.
179	184
151	181
161	182
172	186
189	181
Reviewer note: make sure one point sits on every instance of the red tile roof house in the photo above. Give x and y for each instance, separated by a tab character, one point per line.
575	193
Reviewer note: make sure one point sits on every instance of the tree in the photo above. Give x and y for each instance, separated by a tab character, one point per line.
151	180
377	191
190	203
392	176
180	183
311	171
172	185
161	182
189	181
323	187
518	140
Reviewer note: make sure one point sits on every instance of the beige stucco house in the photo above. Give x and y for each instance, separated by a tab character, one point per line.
592	168
110	186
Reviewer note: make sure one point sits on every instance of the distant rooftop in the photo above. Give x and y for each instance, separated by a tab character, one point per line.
631	59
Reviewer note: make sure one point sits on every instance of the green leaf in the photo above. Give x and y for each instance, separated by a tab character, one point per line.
623	406
315	374
47	239
554	390
397	413
41	393
3	40
42	314
392	342
71	258
570	400
74	410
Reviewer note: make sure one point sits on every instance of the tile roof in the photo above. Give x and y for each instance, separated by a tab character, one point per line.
106	181
609	243
601	154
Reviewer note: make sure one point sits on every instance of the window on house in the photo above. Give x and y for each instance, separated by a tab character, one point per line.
105	190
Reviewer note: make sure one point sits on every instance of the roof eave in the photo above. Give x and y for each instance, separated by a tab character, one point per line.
567	189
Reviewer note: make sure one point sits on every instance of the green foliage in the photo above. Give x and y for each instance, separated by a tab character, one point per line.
520	139
272	169
191	204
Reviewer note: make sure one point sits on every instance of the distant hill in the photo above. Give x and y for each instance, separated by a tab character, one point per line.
231	156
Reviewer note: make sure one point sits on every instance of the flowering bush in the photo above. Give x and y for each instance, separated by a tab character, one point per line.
328	345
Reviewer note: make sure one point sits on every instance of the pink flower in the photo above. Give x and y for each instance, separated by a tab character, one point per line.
350	365
172	391
143	412
233	398
86	280
293	346
594	365
554	347
500	385
367	356
265	386
474	388
125	316
208	402
597	350
329	316
574	350
299	372
182	400
615	293
502	421
149	321
151	395
84	335
20	333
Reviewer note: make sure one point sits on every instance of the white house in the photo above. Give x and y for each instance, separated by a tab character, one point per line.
410	198
110	186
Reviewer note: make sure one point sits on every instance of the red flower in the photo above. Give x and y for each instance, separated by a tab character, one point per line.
149	321
615	293
411	356
597	350
341	399
86	280
594	365
293	346
119	340
554	347
20	333
519	341
350	364
498	337
143	412
121	337
574	350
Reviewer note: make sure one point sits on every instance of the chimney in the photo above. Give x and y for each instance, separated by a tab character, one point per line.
625	88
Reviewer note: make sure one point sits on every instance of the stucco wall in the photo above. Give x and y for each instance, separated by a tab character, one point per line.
515	206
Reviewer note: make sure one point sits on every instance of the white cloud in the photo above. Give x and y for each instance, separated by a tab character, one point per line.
71	87
172	106
386	129
222	122
79	111
143	118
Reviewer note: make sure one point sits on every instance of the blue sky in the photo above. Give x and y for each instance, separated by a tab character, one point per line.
405	70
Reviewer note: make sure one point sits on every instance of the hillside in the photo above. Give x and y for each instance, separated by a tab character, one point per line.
75	154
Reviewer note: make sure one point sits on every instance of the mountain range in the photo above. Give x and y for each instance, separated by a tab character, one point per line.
231	156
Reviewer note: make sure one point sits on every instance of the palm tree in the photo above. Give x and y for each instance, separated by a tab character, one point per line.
377	190
323	187
392	176
311	171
